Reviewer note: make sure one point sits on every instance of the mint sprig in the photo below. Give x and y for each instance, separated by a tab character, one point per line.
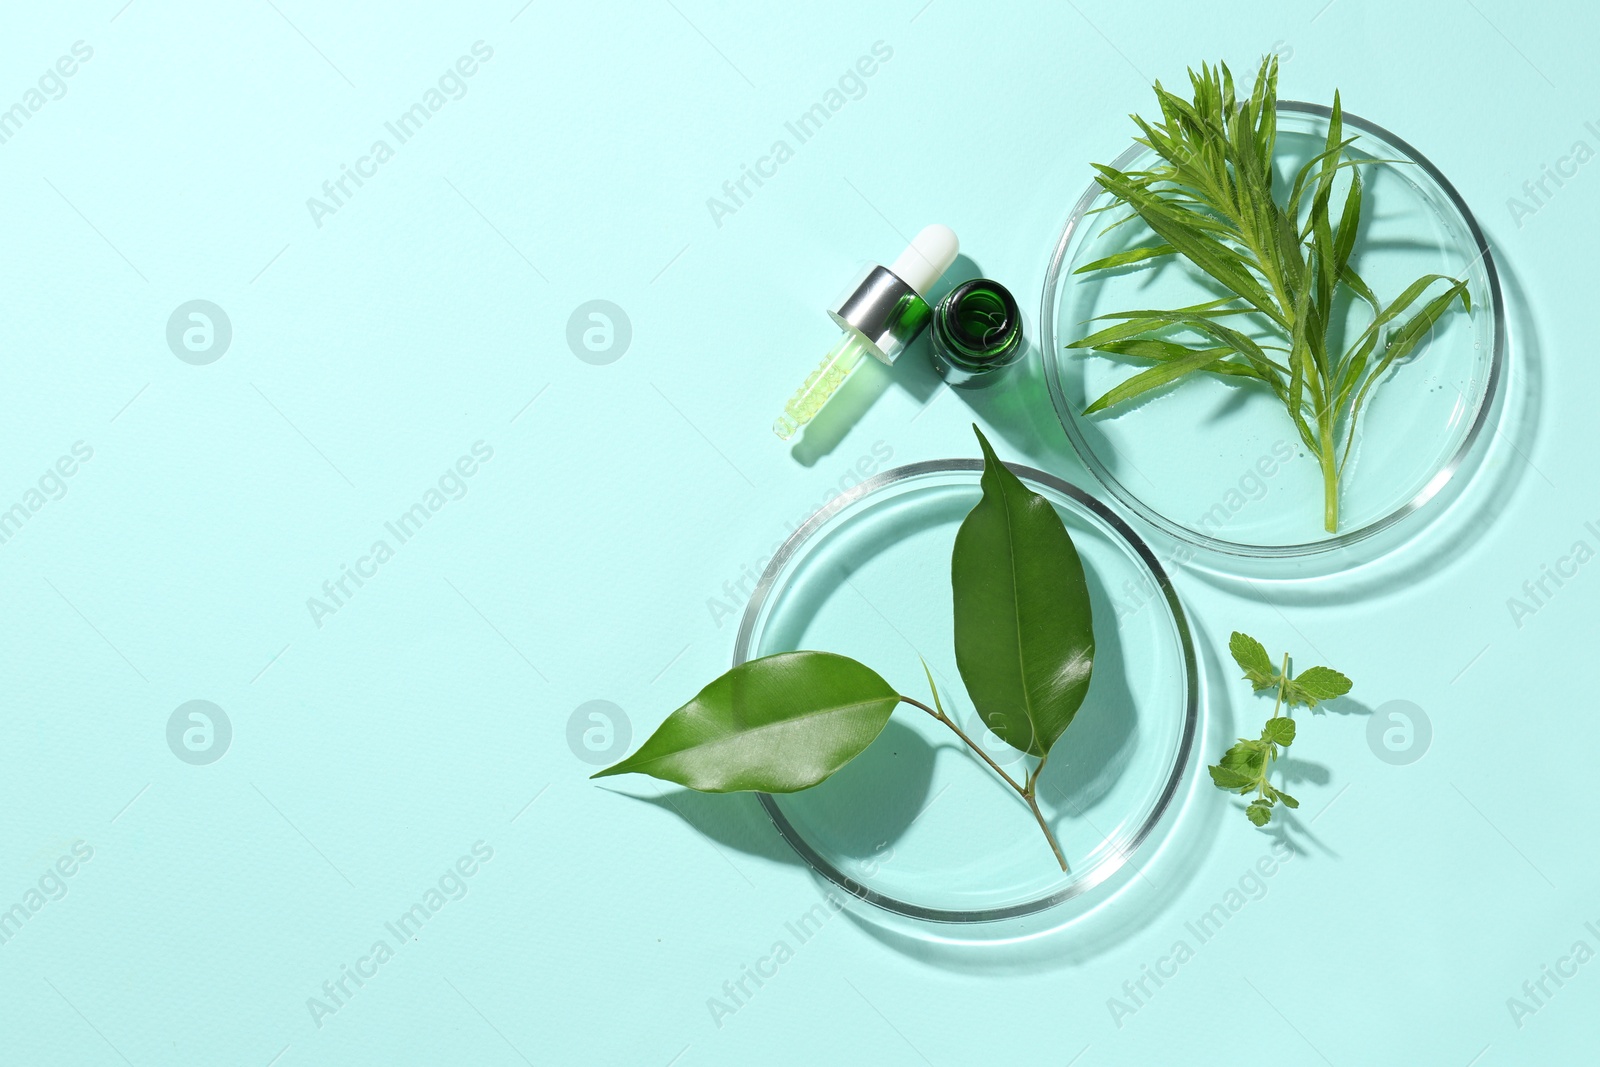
1246	766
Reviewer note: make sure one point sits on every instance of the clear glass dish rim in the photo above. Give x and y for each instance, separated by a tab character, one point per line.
1191	716
1220	546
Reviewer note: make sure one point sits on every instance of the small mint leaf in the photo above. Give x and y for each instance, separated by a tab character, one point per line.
1287	799
1252	658
1247	756
1315	684
1230	779
1259	812
1279	731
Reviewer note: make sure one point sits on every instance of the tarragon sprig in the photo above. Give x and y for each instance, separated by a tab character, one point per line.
1209	198
1245	767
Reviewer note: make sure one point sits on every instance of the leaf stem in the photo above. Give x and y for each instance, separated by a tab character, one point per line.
1330	473
1283	682
942	717
1026	792
1033	780
1271	756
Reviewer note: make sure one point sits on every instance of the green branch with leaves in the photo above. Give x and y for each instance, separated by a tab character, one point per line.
1209	199
1024	645
1246	766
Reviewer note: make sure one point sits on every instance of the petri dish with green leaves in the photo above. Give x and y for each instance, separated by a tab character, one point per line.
917	830
1216	463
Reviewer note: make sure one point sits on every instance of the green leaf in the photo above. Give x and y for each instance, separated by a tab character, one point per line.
1315	684
777	724
1279	731
1259	812
1252	658
1286	798
1139	322
1168	351
1356	360
1127	258
1228	778
1023	633
1247	757
1184	231
1349	221
1157	376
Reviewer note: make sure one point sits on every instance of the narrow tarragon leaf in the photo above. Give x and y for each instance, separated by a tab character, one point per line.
1349	222
1157	376
775	725
1178	228
1368	338
1023	631
1160	351
1127	258
1240	343
1403	340
1138	322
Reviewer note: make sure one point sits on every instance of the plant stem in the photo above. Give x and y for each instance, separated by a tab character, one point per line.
1330	474
1026	792
1283	681
1272	746
942	717
1033	780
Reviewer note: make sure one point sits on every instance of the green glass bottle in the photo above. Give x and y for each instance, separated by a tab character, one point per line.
976	333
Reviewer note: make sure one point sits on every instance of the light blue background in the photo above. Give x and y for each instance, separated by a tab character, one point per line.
430	711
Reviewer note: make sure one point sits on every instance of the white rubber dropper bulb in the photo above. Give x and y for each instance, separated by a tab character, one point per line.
927	257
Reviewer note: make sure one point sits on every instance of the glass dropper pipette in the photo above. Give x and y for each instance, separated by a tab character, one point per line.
883	313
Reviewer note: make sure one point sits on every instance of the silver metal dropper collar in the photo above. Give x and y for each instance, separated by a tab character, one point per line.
884	310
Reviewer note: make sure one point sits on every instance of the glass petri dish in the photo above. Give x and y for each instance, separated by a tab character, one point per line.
1220	468
917	825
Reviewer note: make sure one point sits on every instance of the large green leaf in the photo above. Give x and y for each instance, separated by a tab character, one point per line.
1024	637
777	725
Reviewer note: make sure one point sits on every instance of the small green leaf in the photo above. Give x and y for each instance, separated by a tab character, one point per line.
1316	684
1228	778
1247	757
1157	376
1166	351
1286	798
1139	322
1131	256
1259	812
1252	658
1279	731
776	725
1023	632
